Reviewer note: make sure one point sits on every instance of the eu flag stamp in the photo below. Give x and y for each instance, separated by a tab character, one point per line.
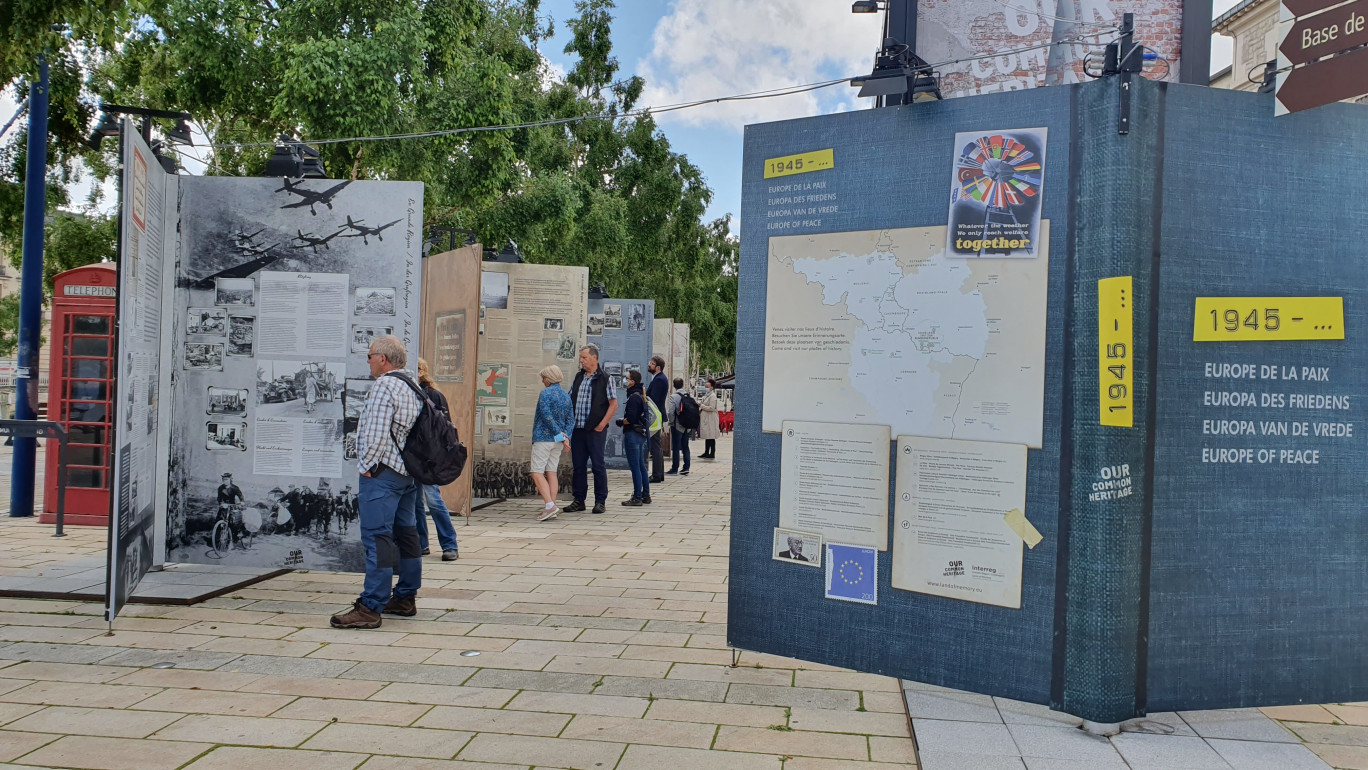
852	573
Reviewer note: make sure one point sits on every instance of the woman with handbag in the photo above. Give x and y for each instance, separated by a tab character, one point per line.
636	432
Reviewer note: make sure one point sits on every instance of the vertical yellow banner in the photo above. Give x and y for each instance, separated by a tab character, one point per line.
1115	352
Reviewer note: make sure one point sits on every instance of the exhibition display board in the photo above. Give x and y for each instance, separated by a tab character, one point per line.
1078	433
623	329
145	246
679	352
260	299
531	316
451	331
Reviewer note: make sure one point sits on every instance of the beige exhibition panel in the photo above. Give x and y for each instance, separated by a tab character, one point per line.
532	316
450	333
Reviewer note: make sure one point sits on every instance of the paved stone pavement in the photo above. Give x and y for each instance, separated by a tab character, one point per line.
601	639
601	644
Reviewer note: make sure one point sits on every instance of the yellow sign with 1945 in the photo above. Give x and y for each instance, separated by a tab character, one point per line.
802	163
1115	354
1268	319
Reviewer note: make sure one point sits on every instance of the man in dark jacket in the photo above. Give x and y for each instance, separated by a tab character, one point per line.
658	391
594	400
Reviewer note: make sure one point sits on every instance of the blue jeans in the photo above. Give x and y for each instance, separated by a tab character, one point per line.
389	535
635	444
679	440
441	518
586	448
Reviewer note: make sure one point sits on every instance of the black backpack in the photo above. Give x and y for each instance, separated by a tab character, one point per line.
688	412
433	453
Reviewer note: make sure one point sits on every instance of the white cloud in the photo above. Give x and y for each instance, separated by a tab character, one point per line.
703	49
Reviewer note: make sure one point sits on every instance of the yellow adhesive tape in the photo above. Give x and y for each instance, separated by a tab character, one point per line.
1024	529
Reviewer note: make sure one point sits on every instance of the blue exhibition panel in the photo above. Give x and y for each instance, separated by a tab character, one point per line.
892	170
1230	569
1259	571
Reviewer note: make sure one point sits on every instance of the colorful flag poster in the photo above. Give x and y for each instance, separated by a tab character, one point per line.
995	194
852	573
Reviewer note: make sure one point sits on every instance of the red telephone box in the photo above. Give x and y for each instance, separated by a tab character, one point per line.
80	391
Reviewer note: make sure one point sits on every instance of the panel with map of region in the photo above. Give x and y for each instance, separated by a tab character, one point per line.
880	327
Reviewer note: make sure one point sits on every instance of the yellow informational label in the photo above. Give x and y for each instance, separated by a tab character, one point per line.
1115	352
817	160
1265	319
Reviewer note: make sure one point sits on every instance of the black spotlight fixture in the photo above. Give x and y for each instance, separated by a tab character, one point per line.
293	159
108	126
181	133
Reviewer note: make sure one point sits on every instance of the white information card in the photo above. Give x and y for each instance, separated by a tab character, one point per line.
950	534
835	481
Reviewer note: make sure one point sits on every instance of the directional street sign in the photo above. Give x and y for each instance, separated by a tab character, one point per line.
1308	7
1312	37
1343	77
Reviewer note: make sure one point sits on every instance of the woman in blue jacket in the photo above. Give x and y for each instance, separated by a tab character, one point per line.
551	427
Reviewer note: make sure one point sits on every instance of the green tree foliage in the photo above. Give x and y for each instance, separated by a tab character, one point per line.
607	192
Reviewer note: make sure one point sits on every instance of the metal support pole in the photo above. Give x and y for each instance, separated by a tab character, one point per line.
30	294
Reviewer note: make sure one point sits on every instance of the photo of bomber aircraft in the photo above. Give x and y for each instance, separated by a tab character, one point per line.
362	231
311	198
307	241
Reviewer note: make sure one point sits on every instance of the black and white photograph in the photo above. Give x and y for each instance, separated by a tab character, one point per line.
363	336
300	389
553	324
612	316
496	416
595	327
207	322
235	292
613	368
241	335
226	435
204	356
228	401
636	317
795	547
373	300
235	239
569	347
493	290
353	398
502	436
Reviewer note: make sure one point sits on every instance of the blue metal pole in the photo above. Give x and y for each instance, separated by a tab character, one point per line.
31	293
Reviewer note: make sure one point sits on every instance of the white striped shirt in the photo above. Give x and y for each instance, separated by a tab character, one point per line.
390	410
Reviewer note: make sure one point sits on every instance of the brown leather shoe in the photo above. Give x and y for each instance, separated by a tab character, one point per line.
359	616
405	606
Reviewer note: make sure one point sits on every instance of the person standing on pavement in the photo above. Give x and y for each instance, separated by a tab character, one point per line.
594	399
658	390
430	496
389	527
636	433
679	435
551	429
709	424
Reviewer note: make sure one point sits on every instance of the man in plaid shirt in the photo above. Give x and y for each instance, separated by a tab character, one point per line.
388	495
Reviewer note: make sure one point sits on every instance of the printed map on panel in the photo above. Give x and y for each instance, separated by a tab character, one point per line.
880	327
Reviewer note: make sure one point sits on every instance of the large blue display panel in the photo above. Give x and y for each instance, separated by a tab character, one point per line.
1230	567
1259	577
892	170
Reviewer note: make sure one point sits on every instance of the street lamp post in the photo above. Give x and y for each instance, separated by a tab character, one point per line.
30	294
